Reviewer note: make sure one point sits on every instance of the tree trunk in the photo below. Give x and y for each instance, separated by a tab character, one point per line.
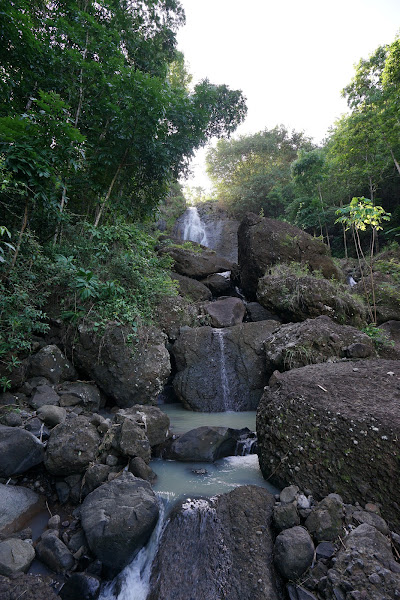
21	233
110	189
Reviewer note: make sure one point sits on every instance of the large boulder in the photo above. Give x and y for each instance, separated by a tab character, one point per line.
386	292
296	296
196	262
222	370
205	443
78	393
315	341
225	312
71	447
293	552
153	421
174	312
130	373
265	242
364	563
54	553
51	363
220	548
20	450
191	288
18	506
335	426
118	518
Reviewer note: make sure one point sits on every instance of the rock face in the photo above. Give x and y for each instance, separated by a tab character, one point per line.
297	297
266	242
19	451
222	370
315	341
229	548
191	288
334	426
129	374
118	518
18	506
71	447
197	263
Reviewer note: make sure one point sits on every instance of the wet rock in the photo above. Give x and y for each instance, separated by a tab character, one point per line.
326	520
52	415
293	552
78	393
139	468
265	242
54	553
347	441
50	363
229	545
222	370
71	447
118	518
296	297
127	373
225	312
16	556
82	586
205	444
132	440
315	341
19	450
18	506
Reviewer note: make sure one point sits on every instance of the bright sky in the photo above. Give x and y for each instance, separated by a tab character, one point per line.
291	58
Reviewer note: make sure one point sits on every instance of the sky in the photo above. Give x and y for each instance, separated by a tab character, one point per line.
290	58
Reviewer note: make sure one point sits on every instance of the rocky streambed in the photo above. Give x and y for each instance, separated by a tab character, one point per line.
83	440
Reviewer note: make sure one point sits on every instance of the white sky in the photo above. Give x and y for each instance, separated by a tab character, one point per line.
291	58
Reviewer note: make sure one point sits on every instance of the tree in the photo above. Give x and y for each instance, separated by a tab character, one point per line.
252	173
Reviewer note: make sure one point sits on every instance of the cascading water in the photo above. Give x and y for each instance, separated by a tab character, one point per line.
226	396
193	228
133	583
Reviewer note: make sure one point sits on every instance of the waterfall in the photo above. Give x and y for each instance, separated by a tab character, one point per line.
193	228
226	398
133	583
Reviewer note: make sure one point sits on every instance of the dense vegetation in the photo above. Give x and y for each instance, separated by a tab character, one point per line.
97	122
282	174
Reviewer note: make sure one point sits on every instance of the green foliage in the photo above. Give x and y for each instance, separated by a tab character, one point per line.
4	246
378	336
361	213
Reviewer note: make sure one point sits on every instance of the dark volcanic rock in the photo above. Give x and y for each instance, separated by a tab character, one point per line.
118	518
18	506
315	341
154	421
54	553
71	447
191	288
205	444
222	370
129	374
218	549
293	552
265	242
225	312
78	393
335	426
50	362
197	263
296	297
19	451
27	587
218	284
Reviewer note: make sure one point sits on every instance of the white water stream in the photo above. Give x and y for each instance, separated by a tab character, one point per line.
193	228
178	480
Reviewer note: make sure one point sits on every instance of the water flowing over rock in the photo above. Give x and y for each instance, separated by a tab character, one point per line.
219	548
335	426
222	370
265	242
128	373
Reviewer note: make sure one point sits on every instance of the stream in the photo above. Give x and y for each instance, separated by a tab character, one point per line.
178	480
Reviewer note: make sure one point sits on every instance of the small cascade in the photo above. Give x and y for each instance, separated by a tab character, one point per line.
226	397
133	583
193	228
246	445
